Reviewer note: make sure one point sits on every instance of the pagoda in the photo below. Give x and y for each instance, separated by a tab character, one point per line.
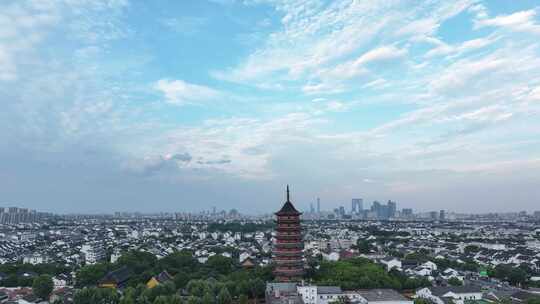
287	255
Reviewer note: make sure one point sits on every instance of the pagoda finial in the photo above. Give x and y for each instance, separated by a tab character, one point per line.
288	193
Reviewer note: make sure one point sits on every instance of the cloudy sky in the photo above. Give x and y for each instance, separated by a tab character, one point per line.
112	105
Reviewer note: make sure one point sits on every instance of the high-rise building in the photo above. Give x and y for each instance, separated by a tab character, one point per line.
392	207
407	212
318	205
287	254
341	211
442	215
357	205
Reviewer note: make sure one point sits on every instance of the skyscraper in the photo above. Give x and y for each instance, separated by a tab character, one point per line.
392	207
287	254
318	205
357	205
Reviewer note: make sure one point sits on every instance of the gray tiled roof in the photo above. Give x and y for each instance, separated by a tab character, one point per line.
328	290
381	295
439	291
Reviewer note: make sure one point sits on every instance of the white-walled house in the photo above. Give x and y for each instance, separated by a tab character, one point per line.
383	296
332	256
457	293
312	294
391	262
429	265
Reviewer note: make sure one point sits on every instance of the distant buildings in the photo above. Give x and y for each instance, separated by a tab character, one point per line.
16	215
357	205
407	212
288	255
381	211
93	252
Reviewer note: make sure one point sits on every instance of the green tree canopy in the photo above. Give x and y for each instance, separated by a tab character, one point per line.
43	286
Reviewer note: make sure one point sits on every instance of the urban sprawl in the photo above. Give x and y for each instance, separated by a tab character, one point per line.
375	255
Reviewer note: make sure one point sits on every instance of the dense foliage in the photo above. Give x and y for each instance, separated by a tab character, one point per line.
219	280
361	273
43	286
513	275
14	273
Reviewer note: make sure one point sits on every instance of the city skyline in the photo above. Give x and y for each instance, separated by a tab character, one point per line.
119	105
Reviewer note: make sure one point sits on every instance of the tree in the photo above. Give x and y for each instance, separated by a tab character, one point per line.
363	246
161	300
89	275
224	297
196	287
129	296
257	288
471	249
455	281
421	301
221	264
193	300
243	299
208	298
535	300
96	296
175	299
43	286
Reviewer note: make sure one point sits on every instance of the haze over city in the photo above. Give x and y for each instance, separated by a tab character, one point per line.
118	105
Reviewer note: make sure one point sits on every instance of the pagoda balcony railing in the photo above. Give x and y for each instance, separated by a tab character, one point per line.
291	262
290	253
296	245
297	236
283	241
289	228
288	220
289	272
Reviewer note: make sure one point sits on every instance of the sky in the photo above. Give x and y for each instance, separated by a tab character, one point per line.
132	105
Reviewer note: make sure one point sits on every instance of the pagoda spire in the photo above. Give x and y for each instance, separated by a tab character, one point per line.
288	200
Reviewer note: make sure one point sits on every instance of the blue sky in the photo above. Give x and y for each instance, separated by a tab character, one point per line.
113	105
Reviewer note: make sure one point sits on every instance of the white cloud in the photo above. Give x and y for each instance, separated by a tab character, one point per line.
522	21
535	94
323	88
381	54
460	49
422	27
180	92
316	40
375	84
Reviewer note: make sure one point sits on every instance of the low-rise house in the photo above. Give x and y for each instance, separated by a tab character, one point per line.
116	279
458	294
383	296
282	293
161	278
327	294
391	262
523	296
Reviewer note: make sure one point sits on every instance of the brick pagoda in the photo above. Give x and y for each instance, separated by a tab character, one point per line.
287	254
